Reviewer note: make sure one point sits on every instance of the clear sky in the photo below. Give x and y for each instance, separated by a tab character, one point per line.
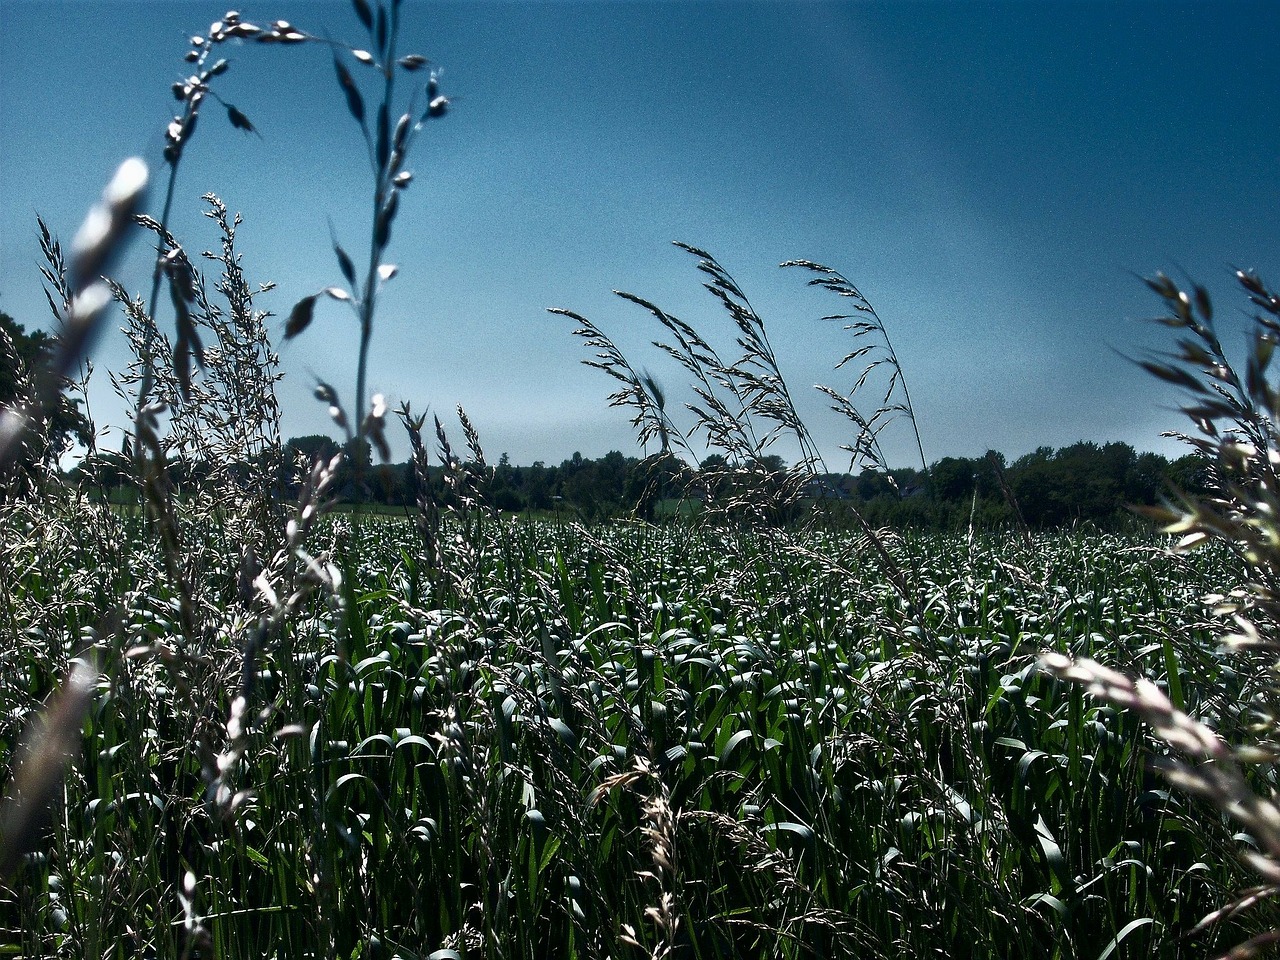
994	176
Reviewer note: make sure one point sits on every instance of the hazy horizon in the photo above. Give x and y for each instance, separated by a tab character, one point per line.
995	177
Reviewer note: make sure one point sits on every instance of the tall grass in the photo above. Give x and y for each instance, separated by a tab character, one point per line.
728	728
1234	415
743	408
234	724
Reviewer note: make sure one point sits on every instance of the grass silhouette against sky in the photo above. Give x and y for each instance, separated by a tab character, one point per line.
991	175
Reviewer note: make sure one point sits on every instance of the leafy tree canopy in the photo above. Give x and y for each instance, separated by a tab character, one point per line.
19	365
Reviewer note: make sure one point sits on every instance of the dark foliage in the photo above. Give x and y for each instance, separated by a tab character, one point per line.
1083	484
24	358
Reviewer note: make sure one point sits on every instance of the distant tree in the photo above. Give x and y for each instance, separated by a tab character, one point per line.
313	447
773	463
611	479
391	484
504	487
597	488
507	500
953	478
652	480
1034	484
539	486
1190	474
1145	479
354	479
1085	483
714	461
1088	479
872	484
25	362
306	451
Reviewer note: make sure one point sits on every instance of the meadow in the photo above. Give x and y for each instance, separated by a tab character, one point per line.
237	722
698	742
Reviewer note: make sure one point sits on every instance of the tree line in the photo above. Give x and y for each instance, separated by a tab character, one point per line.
1084	483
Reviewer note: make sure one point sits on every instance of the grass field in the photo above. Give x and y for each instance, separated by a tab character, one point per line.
237	723
696	742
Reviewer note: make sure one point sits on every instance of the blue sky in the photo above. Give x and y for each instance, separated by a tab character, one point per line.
994	176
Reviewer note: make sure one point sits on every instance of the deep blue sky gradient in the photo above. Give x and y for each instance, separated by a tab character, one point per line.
994	176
